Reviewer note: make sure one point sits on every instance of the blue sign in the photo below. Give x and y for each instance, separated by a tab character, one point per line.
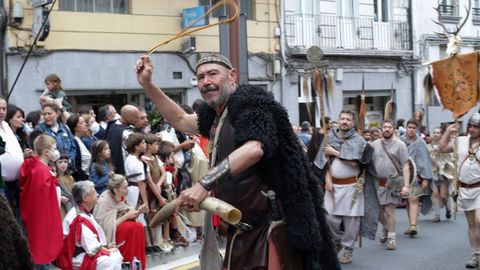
189	15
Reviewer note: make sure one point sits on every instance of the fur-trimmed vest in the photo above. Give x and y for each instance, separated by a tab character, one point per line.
255	115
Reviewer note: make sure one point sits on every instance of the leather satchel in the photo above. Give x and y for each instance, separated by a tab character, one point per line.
394	183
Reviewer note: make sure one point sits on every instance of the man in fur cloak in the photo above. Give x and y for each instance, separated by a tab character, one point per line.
253	150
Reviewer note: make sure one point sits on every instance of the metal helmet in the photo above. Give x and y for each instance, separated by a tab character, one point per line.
474	120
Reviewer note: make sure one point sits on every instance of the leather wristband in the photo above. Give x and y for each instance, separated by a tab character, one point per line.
217	175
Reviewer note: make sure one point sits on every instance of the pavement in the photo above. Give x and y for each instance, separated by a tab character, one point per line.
181	258
438	246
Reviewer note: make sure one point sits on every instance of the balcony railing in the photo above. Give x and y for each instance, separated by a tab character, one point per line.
448	10
476	12
305	30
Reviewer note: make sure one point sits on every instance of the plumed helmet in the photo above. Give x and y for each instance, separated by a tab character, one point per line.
474	120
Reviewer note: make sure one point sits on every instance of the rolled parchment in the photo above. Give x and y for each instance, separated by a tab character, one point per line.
215	206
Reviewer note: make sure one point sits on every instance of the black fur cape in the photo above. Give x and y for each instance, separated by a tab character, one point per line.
255	115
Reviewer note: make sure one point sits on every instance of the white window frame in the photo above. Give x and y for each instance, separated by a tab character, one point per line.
75	9
342	8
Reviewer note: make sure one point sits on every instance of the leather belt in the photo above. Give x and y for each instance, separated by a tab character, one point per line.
344	181
463	185
135	184
382	182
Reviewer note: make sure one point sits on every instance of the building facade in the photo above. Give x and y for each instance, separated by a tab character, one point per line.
362	40
94	45
429	46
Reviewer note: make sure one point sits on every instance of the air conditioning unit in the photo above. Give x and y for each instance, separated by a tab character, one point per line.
189	45
39	3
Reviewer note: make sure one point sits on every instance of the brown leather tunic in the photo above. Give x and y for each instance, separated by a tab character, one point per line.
250	249
155	173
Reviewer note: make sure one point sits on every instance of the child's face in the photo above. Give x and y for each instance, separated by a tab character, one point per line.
106	152
170	159
52	154
152	148
62	165
52	86
142	147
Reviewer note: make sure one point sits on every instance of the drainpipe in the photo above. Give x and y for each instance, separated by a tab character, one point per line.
282	48
412	76
3	26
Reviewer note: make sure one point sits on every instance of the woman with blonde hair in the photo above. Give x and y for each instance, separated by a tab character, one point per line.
118	220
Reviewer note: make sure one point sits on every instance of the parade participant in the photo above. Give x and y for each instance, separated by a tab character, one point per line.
117	219
348	154
40	202
468	166
390	158
367	135
254	149
443	173
85	243
375	134
14	253
315	144
400	127
419	189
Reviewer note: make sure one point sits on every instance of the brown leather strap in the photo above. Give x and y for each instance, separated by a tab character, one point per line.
135	184
344	181
391	158
463	185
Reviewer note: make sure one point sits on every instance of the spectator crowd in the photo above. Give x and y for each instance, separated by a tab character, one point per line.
93	180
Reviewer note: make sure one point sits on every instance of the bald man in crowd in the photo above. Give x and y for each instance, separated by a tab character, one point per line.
118	131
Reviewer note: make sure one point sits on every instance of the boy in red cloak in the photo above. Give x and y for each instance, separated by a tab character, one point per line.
40	202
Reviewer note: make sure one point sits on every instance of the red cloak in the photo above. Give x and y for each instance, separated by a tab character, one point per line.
40	210
74	235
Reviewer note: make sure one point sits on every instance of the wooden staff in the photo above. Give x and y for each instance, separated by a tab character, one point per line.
362	110
455	179
318	88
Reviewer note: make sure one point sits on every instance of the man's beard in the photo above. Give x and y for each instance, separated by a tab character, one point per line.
345	128
225	94
387	135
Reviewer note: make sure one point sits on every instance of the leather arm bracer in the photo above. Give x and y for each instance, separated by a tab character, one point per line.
217	175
